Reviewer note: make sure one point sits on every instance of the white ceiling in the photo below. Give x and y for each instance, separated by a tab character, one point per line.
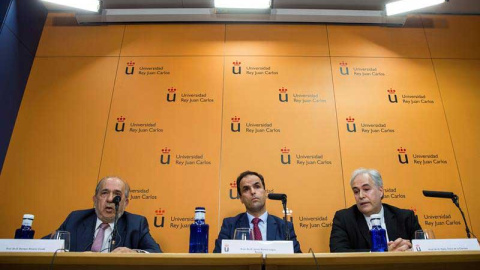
451	7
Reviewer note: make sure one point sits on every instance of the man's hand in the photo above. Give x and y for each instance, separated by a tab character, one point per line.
123	250
399	245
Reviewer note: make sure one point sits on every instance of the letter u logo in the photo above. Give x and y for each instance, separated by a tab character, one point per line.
232	127
171	99
282	159
342	72
163	161
394	99
237	72
233	197
283	100
351	130
117	129
129	72
401	160
155	222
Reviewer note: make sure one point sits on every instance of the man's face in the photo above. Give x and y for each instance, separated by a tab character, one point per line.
253	194
367	195
104	207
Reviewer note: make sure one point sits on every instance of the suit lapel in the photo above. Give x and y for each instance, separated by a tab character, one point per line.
85	233
363	227
271	228
242	222
390	222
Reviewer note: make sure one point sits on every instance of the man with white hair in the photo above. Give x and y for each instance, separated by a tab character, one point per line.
351	226
91	229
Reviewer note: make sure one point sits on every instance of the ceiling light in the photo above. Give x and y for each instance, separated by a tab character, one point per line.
245	4
90	5
409	5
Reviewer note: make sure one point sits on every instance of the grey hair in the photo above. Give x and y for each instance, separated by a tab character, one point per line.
374	174
127	187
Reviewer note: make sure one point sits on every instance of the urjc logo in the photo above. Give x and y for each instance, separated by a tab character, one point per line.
351	120
283	91
120	125
165	152
131	66
343	66
235	125
392	97
233	188
171	95
402	152
237	69
159	214
285	154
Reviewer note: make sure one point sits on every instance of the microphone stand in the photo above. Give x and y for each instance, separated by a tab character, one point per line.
114	232
455	201
287	230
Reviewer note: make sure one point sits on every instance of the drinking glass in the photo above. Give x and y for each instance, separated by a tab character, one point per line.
243	234
424	234
62	235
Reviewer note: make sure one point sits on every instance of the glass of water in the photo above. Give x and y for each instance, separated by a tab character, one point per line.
62	235
243	234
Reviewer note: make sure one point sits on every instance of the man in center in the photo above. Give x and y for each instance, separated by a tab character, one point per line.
251	189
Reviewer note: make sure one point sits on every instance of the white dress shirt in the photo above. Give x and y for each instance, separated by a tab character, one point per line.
262	225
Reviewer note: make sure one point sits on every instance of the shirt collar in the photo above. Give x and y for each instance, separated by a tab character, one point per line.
99	222
262	217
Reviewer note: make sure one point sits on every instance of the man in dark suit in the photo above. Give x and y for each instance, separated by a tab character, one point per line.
91	229
251	188
351	227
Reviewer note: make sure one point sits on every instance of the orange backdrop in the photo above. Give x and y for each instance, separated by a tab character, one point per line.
180	110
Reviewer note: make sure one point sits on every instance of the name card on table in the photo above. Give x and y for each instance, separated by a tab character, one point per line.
250	246
445	244
30	245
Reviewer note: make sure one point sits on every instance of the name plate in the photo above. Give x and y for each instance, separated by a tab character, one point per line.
30	245
249	247
445	244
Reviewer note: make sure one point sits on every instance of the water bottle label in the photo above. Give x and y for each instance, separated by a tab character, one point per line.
27	222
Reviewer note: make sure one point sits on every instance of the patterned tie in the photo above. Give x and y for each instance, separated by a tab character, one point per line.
97	243
257	234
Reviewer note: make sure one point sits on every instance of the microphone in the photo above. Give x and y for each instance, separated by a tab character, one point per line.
282	197
116	200
277	196
438	194
448	195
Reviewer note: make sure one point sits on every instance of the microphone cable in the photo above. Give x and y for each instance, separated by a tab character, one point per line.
55	255
314	258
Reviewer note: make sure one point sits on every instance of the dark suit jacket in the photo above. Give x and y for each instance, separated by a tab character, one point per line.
350	231
133	231
275	230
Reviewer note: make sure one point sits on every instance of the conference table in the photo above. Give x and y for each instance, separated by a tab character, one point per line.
337	261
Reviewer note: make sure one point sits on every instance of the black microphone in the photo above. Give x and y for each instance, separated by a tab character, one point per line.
116	200
282	197
277	196
438	194
449	195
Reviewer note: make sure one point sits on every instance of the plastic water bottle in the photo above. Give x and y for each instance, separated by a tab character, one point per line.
25	232
379	235
199	232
